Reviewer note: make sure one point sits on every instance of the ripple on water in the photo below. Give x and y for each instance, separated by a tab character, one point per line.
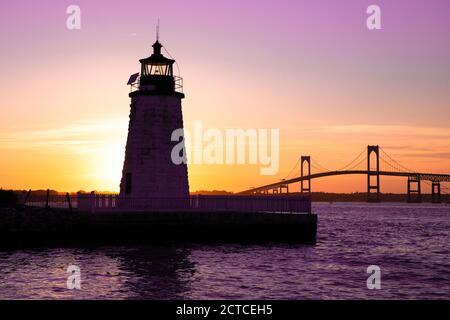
409	243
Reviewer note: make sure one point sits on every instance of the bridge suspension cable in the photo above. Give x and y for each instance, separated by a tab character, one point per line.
349	165
293	169
398	166
389	165
318	166
358	164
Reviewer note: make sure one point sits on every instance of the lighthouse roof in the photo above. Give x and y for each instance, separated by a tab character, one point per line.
157	57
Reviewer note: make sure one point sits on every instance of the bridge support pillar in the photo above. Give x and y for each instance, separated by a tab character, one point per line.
414	181
436	192
284	187
371	185
305	185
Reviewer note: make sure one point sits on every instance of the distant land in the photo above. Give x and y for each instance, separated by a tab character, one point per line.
316	196
341	197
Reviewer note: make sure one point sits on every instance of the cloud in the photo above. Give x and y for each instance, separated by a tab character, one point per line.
433	155
78	137
393	130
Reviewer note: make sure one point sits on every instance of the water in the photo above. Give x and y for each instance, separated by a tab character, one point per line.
410	243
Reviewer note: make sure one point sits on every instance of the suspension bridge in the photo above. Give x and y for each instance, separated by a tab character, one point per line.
364	164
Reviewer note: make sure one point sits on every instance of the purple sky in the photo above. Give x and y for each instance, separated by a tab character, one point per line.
316	39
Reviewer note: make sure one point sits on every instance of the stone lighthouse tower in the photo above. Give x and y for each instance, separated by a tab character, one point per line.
149	178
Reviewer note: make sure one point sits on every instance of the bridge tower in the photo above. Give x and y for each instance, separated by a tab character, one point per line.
436	192
414	180
305	187
370	174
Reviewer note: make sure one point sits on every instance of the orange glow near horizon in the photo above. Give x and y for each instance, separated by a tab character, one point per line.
89	156
45	144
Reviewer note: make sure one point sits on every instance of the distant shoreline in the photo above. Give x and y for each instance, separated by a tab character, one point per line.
315	196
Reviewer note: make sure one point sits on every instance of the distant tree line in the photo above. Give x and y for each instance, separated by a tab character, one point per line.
11	197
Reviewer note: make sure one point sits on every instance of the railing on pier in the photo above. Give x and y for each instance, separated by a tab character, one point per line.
252	203
283	204
49	199
103	202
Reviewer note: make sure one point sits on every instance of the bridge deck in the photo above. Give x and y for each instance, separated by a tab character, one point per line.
423	176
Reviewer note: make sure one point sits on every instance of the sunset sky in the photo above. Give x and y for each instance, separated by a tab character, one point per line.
309	68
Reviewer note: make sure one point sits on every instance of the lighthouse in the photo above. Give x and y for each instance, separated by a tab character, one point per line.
150	179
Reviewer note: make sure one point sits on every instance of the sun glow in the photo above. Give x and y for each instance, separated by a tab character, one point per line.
85	155
108	168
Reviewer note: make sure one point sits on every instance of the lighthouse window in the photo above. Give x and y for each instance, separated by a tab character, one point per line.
128	183
162	69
